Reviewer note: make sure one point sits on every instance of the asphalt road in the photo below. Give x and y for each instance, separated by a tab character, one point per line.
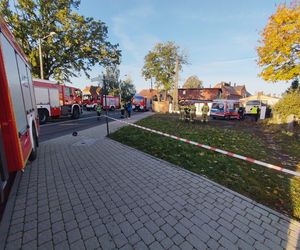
60	127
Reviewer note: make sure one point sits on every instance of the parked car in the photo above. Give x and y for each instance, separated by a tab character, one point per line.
260	104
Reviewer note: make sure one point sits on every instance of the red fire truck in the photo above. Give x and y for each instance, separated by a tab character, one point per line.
113	102
90	102
139	103
55	100
18	114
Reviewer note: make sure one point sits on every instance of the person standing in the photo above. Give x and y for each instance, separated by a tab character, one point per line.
257	114
253	112
205	110
98	110
122	110
129	109
241	112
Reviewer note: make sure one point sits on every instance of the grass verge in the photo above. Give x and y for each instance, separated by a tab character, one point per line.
274	189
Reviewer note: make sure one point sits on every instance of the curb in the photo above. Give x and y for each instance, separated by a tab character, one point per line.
9	208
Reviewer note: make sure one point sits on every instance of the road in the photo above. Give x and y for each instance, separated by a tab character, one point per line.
60	127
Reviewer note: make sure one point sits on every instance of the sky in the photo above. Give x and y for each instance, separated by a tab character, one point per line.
219	37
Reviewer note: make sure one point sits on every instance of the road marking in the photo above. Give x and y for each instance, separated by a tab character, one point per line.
221	151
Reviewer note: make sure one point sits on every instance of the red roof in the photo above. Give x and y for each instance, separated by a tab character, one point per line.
232	92
148	93
201	94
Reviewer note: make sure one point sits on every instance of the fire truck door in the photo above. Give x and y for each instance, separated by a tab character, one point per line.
68	95
3	169
54	98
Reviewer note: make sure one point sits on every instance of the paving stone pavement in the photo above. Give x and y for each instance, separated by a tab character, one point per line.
90	192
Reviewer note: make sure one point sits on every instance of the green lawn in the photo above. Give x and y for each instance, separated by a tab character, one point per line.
274	189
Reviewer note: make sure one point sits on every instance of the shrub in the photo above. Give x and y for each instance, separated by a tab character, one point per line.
288	105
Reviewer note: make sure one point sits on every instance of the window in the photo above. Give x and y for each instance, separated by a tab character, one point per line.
68	91
218	106
24	84
13	79
255	102
86	97
78	93
31	86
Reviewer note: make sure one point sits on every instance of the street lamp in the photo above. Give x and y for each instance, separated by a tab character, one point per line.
40	52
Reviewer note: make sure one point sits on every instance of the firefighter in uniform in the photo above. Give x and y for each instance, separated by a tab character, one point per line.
122	110
98	109
205	110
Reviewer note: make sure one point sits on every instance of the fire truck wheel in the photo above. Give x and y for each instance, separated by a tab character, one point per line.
43	116
33	153
76	113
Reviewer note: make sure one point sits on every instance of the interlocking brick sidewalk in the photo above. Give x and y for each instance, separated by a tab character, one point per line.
89	192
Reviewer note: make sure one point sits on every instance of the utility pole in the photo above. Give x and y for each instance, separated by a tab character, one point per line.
105	104
175	89
98	79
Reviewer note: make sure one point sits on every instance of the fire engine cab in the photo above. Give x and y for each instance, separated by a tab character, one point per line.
18	113
55	100
139	103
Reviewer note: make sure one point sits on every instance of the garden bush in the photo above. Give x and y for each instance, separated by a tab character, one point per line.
288	105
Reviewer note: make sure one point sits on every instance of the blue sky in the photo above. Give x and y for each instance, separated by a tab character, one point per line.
219	37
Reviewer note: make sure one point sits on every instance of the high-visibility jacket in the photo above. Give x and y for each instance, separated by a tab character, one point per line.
253	110
98	109
205	109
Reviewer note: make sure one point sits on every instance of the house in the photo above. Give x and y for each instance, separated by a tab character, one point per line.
232	92
199	94
150	94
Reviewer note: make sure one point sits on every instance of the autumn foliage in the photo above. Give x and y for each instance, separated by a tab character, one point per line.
279	50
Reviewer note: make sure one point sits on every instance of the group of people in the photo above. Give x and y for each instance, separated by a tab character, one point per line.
254	112
188	112
126	109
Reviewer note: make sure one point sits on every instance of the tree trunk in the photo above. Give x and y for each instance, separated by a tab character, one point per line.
165	95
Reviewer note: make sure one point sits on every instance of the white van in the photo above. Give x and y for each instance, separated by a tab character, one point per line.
226	109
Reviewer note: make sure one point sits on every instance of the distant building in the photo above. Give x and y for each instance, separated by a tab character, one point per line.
232	92
150	94
199	94
266	99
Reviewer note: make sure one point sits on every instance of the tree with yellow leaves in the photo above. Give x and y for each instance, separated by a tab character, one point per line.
279	50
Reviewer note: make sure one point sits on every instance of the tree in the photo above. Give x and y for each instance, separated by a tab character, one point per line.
127	89
80	42
193	82
279	50
294	86
160	64
289	104
112	74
